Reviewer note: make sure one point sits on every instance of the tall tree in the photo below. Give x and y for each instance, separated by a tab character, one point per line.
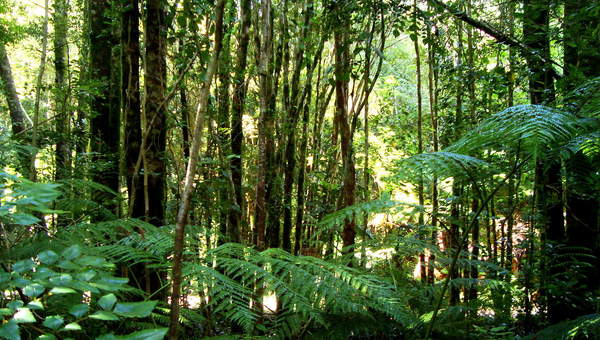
18	117
341	15
237	111
293	114
155	78
62	120
582	61
130	87
104	120
265	124
184	206
548	184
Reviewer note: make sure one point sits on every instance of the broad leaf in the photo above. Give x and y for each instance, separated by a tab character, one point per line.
135	309
108	301
53	321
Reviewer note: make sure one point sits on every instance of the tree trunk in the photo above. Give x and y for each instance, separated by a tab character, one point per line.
62	120
130	85
294	112
581	60
223	74
104	122
237	111
186	198
265	125
420	185
155	84
548	179
342	76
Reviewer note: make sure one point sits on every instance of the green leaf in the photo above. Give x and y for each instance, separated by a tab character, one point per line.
23	266
79	310
73	326
64	264
24	315
108	301
6	311
48	257
147	334
63	290
110	336
33	290
92	261
104	315
72	252
114	280
10	331
35	305
53	321
87	275
135	309
46	337
42	273
61	280
24	219
14	305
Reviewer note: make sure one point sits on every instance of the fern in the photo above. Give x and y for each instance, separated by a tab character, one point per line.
532	127
440	165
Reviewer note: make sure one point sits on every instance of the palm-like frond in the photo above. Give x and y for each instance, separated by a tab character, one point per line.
529	126
440	165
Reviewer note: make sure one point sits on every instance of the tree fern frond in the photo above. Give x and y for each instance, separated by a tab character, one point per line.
530	126
584	101
440	165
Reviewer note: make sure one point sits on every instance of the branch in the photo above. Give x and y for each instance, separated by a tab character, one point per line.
497	34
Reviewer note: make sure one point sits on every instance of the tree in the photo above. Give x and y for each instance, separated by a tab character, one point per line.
104	120
155	78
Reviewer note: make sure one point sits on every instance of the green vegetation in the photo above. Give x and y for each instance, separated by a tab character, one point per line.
336	169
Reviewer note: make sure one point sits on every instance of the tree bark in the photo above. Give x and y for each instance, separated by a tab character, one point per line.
265	125
294	108
582	61
130	85
237	112
155	77
342	77
104	122
62	120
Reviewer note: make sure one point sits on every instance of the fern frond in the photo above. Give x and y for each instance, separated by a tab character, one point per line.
530	126
440	165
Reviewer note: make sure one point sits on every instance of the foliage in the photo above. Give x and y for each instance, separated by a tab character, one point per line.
70	293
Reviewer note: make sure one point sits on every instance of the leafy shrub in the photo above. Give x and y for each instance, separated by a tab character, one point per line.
67	294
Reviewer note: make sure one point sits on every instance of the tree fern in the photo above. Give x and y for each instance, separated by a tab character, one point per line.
529	126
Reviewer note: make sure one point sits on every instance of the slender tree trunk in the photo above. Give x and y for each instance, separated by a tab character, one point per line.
474	270
237	110
130	85
342	69
294	111
38	94
62	120
420	186
265	126
223	105
301	192
184	207
432	83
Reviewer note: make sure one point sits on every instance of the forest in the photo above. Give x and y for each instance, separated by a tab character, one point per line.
299	169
